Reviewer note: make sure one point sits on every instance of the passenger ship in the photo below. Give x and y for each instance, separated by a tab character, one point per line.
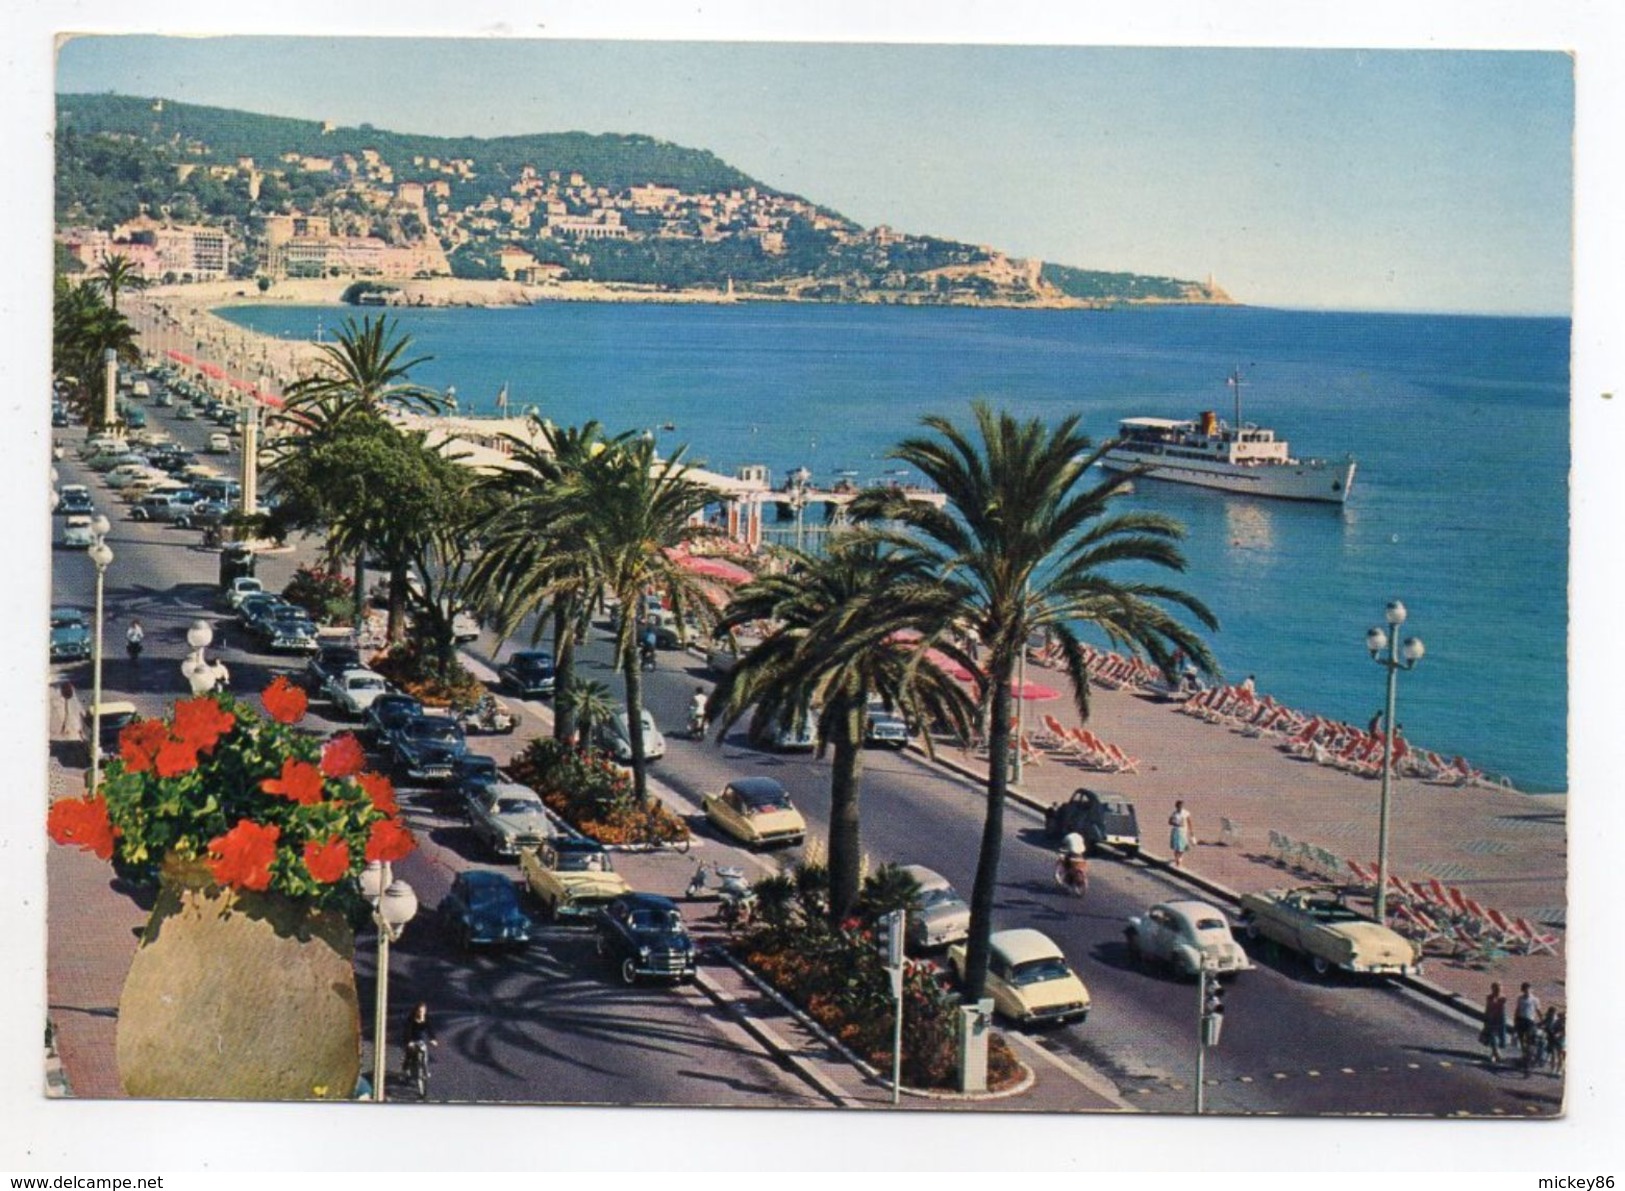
1237	457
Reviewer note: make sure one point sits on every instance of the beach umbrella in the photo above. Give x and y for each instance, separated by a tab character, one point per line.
1033	692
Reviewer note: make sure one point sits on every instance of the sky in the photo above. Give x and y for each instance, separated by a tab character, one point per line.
1332	178
1328	178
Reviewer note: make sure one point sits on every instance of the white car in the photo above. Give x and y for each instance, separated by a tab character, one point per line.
353	691
77	534
241	588
1187	936
942	918
219	443
614	735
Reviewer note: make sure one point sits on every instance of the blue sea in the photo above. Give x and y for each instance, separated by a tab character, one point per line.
1460	426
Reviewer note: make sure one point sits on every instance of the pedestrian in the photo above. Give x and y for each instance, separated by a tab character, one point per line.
134	637
1249	688
1375	726
1555	1026
1525	1021
1494	1033
1179	835
70	726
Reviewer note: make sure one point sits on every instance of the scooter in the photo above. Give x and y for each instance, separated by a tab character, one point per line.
736	900
696	725
488	717
646	657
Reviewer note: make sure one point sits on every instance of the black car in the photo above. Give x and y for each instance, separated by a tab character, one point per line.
287	629
471	772
76	501
1101	819
528	674
387	713
329	662
482	909
426	746
643	935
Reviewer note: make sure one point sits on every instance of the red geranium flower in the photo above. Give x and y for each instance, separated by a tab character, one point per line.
300	782
381	790
138	744
389	841
202	722
328	862
343	756
242	857
176	757
285	702
82	823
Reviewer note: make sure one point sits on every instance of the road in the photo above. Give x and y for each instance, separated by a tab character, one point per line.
547	1025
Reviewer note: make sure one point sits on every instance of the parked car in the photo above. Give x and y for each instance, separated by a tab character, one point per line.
117	715
240	589
643	935
614	737
508	817
425	746
184	411
257	605
287	629
351	692
756	811
465	626
1029	979
202	514
571	878
70	635
1187	936
77	533
529	674
386	714
884	729
482	910
786	735
74	499
219	443
1317	922
1098	818
942	916
470	772
156	507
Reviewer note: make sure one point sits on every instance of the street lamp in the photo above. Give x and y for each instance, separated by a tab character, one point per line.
199	675
101	556
110	387
393	906
1387	652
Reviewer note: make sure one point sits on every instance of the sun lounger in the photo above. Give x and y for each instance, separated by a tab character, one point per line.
1535	941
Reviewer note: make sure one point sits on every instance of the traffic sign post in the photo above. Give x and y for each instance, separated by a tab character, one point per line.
889	933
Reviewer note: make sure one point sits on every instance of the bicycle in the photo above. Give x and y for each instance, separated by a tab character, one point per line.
1072	874
417	1067
663	832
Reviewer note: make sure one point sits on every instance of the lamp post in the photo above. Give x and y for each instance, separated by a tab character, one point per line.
199	675
1387	652
101	556
394	904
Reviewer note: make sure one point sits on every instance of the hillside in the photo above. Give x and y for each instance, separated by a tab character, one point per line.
612	209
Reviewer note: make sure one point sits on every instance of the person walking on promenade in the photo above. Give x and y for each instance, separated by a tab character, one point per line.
1525	1024
1179	835
1249	688
1555	1026
1375	726
69	726
1494	1033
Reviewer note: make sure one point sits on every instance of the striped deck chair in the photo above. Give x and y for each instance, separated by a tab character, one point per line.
1506	930
1366	880
1397	892
1474	949
1229	832
1535	941
1464	774
1458	902
1089	754
1280	848
1421	895
1121	760
1301	739
1419	925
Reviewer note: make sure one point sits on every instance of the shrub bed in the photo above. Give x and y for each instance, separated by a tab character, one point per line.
593	795
328	596
415	671
837	978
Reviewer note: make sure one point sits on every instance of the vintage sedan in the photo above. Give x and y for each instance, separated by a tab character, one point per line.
425	746
287	629
353	691
1187	936
614	736
75	500
529	674
508	817
941	917
77	533
571	878
1029	979
1317	922
756	811
70	635
884	729
386	714
643	935
1101	819
482	910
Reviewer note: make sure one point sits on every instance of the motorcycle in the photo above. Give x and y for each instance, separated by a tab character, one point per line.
696	725
488	717
646	656
736	900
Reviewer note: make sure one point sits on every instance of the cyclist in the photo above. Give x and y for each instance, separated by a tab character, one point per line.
419	1038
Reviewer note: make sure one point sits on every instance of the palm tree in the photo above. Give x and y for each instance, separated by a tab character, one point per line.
526	567
852	626
1025	544
357	378
635	512
588	703
115	274
83	328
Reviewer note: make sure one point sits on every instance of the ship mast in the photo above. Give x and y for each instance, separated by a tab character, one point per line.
1234	381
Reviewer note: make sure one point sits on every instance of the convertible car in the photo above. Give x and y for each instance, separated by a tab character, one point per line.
1317	922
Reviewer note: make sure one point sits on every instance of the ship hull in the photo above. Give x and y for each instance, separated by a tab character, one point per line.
1323	483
